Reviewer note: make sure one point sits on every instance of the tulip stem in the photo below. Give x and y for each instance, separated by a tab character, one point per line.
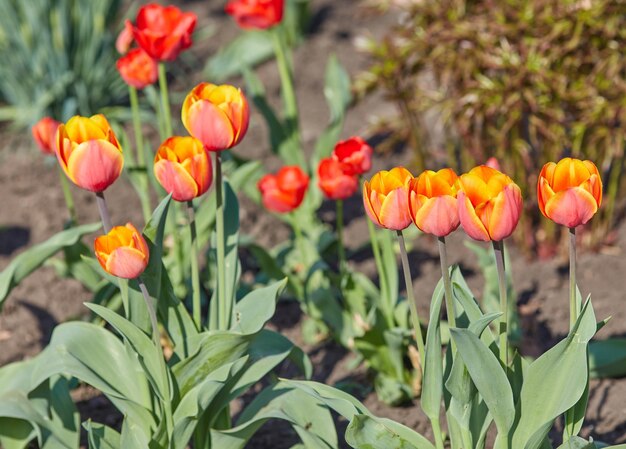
165	101
437	433
447	287
573	306
69	199
141	160
104	212
411	299
195	272
386	297
503	328
341	250
224	308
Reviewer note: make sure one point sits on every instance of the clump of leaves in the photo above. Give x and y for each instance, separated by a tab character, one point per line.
527	81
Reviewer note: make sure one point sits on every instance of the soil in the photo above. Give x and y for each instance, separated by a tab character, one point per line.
33	210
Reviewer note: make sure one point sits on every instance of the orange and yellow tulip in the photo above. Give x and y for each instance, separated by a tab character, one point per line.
570	191
122	252
89	152
386	198
44	132
183	167
218	116
433	203
490	204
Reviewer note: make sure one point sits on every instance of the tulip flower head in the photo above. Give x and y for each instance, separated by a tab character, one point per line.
256	14
570	191
284	191
490	204
335	181
138	69
122	252
183	167
356	154
218	116
163	31
125	38
432	202
44	133
89	153
386	198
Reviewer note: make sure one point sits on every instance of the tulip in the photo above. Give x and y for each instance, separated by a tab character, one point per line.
125	38
183	167
333	180
122	252
89	152
256	14
44	133
386	198
356	154
432	202
570	191
163	32
284	191
490	204
138	69
218	116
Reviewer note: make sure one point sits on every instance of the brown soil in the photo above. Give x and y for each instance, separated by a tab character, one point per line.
33	210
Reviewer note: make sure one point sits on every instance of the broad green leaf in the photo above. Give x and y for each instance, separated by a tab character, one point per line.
577	443
100	436
15	433
31	259
364	432
607	358
432	386
256	308
247	50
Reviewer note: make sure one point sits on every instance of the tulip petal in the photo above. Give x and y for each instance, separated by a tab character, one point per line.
475	188
94	165
175	180
126	262
469	220
506	211
544	194
438	216
571	207
209	124
394	212
370	201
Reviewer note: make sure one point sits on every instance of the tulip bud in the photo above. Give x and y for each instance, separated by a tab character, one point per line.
256	14
138	69
333	180
432	202
44	133
183	167
569	192
284	191
125	38
356	154
386	198
218	116
122	252
89	152
490	204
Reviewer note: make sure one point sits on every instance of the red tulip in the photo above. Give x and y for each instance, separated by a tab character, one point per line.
44	133
122	252
218	116
138	69
386	198
163	32
333	180
569	192
356	154
259	14
89	152
284	191
432	202
183	167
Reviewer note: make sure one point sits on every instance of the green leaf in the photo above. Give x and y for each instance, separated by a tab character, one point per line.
31	259
364	432
100	436
432	386
256	308
577	443
246	50
607	358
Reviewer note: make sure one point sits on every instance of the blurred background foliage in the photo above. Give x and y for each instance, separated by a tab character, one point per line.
526	81
57	58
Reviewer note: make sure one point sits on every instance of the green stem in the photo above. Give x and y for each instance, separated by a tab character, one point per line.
140	150
69	199
573	306
447	287
104	212
341	250
165	101
224	305
503	328
387	298
437	432
195	272
411	299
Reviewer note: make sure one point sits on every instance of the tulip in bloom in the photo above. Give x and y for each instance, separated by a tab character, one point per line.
122	252
334	179
183	167
163	32
490	204
284	191
138	69
218	116
356	154
256	14
44	133
89	152
432	202
569	192
386	198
